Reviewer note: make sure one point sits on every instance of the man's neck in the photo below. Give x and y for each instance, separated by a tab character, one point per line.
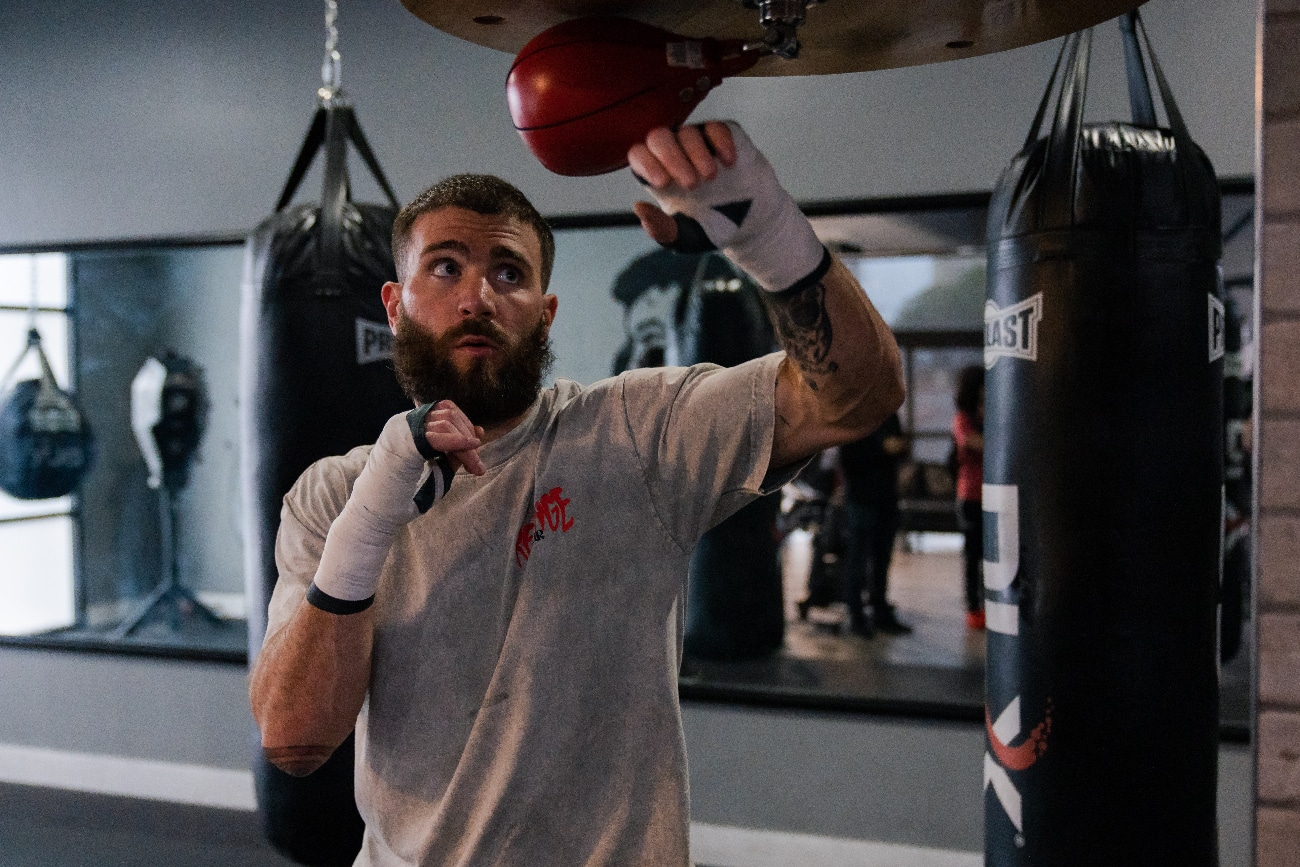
496	431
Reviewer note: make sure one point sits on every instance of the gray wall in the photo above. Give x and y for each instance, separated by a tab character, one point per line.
134	119
141	119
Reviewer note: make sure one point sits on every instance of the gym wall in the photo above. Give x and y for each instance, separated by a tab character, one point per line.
144	119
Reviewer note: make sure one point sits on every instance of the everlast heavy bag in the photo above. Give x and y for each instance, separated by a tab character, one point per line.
45	443
1103	472
681	310
316	382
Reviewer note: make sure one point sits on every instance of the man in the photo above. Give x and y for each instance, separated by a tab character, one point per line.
872	517
525	550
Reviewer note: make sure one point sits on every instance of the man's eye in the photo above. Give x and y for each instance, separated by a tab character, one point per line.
445	268
510	274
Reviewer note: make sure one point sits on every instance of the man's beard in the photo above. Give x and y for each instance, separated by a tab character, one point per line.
490	390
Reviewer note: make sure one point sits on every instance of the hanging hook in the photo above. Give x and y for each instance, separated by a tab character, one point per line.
780	20
34	307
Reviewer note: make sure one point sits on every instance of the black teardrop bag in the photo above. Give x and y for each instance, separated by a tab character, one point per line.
1103	479
316	381
45	442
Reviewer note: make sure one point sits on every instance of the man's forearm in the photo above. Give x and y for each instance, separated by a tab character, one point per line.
843	376
312	676
309	684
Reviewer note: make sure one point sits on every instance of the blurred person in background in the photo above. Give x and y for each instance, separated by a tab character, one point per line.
870	467
968	440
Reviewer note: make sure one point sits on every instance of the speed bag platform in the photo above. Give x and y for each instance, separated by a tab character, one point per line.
316	381
1103	472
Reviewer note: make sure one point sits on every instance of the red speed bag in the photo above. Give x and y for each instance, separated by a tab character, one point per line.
583	92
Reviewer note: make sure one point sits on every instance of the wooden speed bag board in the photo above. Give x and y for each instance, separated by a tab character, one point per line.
836	35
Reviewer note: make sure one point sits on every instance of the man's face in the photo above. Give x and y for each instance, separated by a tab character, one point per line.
471	319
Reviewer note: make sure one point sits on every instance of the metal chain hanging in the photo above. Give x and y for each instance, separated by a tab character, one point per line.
331	73
33	333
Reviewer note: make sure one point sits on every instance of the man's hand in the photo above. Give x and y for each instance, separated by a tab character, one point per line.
388	494
686	157
449	430
841	376
717	191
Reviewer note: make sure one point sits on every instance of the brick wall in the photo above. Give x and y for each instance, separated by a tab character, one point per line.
1278	443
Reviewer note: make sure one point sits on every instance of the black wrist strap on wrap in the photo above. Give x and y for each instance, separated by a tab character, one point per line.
691	237
439	481
813	278
333	605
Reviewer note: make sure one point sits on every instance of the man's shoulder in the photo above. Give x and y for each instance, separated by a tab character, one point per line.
643	382
639	378
634	386
324	487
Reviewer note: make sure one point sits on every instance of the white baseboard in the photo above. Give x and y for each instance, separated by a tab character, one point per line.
715	845
134	778
722	846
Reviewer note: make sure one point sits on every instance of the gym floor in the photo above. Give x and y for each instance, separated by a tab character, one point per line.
54	828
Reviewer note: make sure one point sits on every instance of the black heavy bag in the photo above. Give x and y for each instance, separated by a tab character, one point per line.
316	381
45	443
687	309
1103	474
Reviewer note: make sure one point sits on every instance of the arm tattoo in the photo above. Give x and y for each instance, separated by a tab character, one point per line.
804	328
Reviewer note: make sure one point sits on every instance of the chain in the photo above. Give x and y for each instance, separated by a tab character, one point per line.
331	74
35	285
33	335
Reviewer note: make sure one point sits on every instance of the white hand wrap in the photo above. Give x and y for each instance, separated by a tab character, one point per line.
381	504
745	212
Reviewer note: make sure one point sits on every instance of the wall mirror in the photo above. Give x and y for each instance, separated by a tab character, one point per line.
80	570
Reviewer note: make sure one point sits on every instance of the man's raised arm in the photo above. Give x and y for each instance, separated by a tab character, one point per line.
842	376
312	675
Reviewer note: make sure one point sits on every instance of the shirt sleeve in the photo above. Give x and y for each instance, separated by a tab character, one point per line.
309	509
703	437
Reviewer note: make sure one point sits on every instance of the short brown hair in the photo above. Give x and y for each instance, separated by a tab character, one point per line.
482	194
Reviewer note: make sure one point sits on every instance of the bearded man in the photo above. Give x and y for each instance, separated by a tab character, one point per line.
492	594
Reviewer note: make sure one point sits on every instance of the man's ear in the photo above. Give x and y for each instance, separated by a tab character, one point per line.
392	297
549	305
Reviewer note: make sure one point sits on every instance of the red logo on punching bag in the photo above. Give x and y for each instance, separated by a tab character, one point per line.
1001	734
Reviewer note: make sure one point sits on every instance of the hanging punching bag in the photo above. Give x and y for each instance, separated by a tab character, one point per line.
1102	496
46	446
315	382
689	309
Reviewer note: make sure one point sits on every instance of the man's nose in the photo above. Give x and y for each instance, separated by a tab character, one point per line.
476	297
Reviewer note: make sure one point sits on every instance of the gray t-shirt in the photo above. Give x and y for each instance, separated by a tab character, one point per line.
523	694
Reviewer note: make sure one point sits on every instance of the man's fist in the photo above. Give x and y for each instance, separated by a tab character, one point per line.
717	191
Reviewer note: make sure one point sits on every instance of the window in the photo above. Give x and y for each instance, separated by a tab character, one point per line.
37	584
